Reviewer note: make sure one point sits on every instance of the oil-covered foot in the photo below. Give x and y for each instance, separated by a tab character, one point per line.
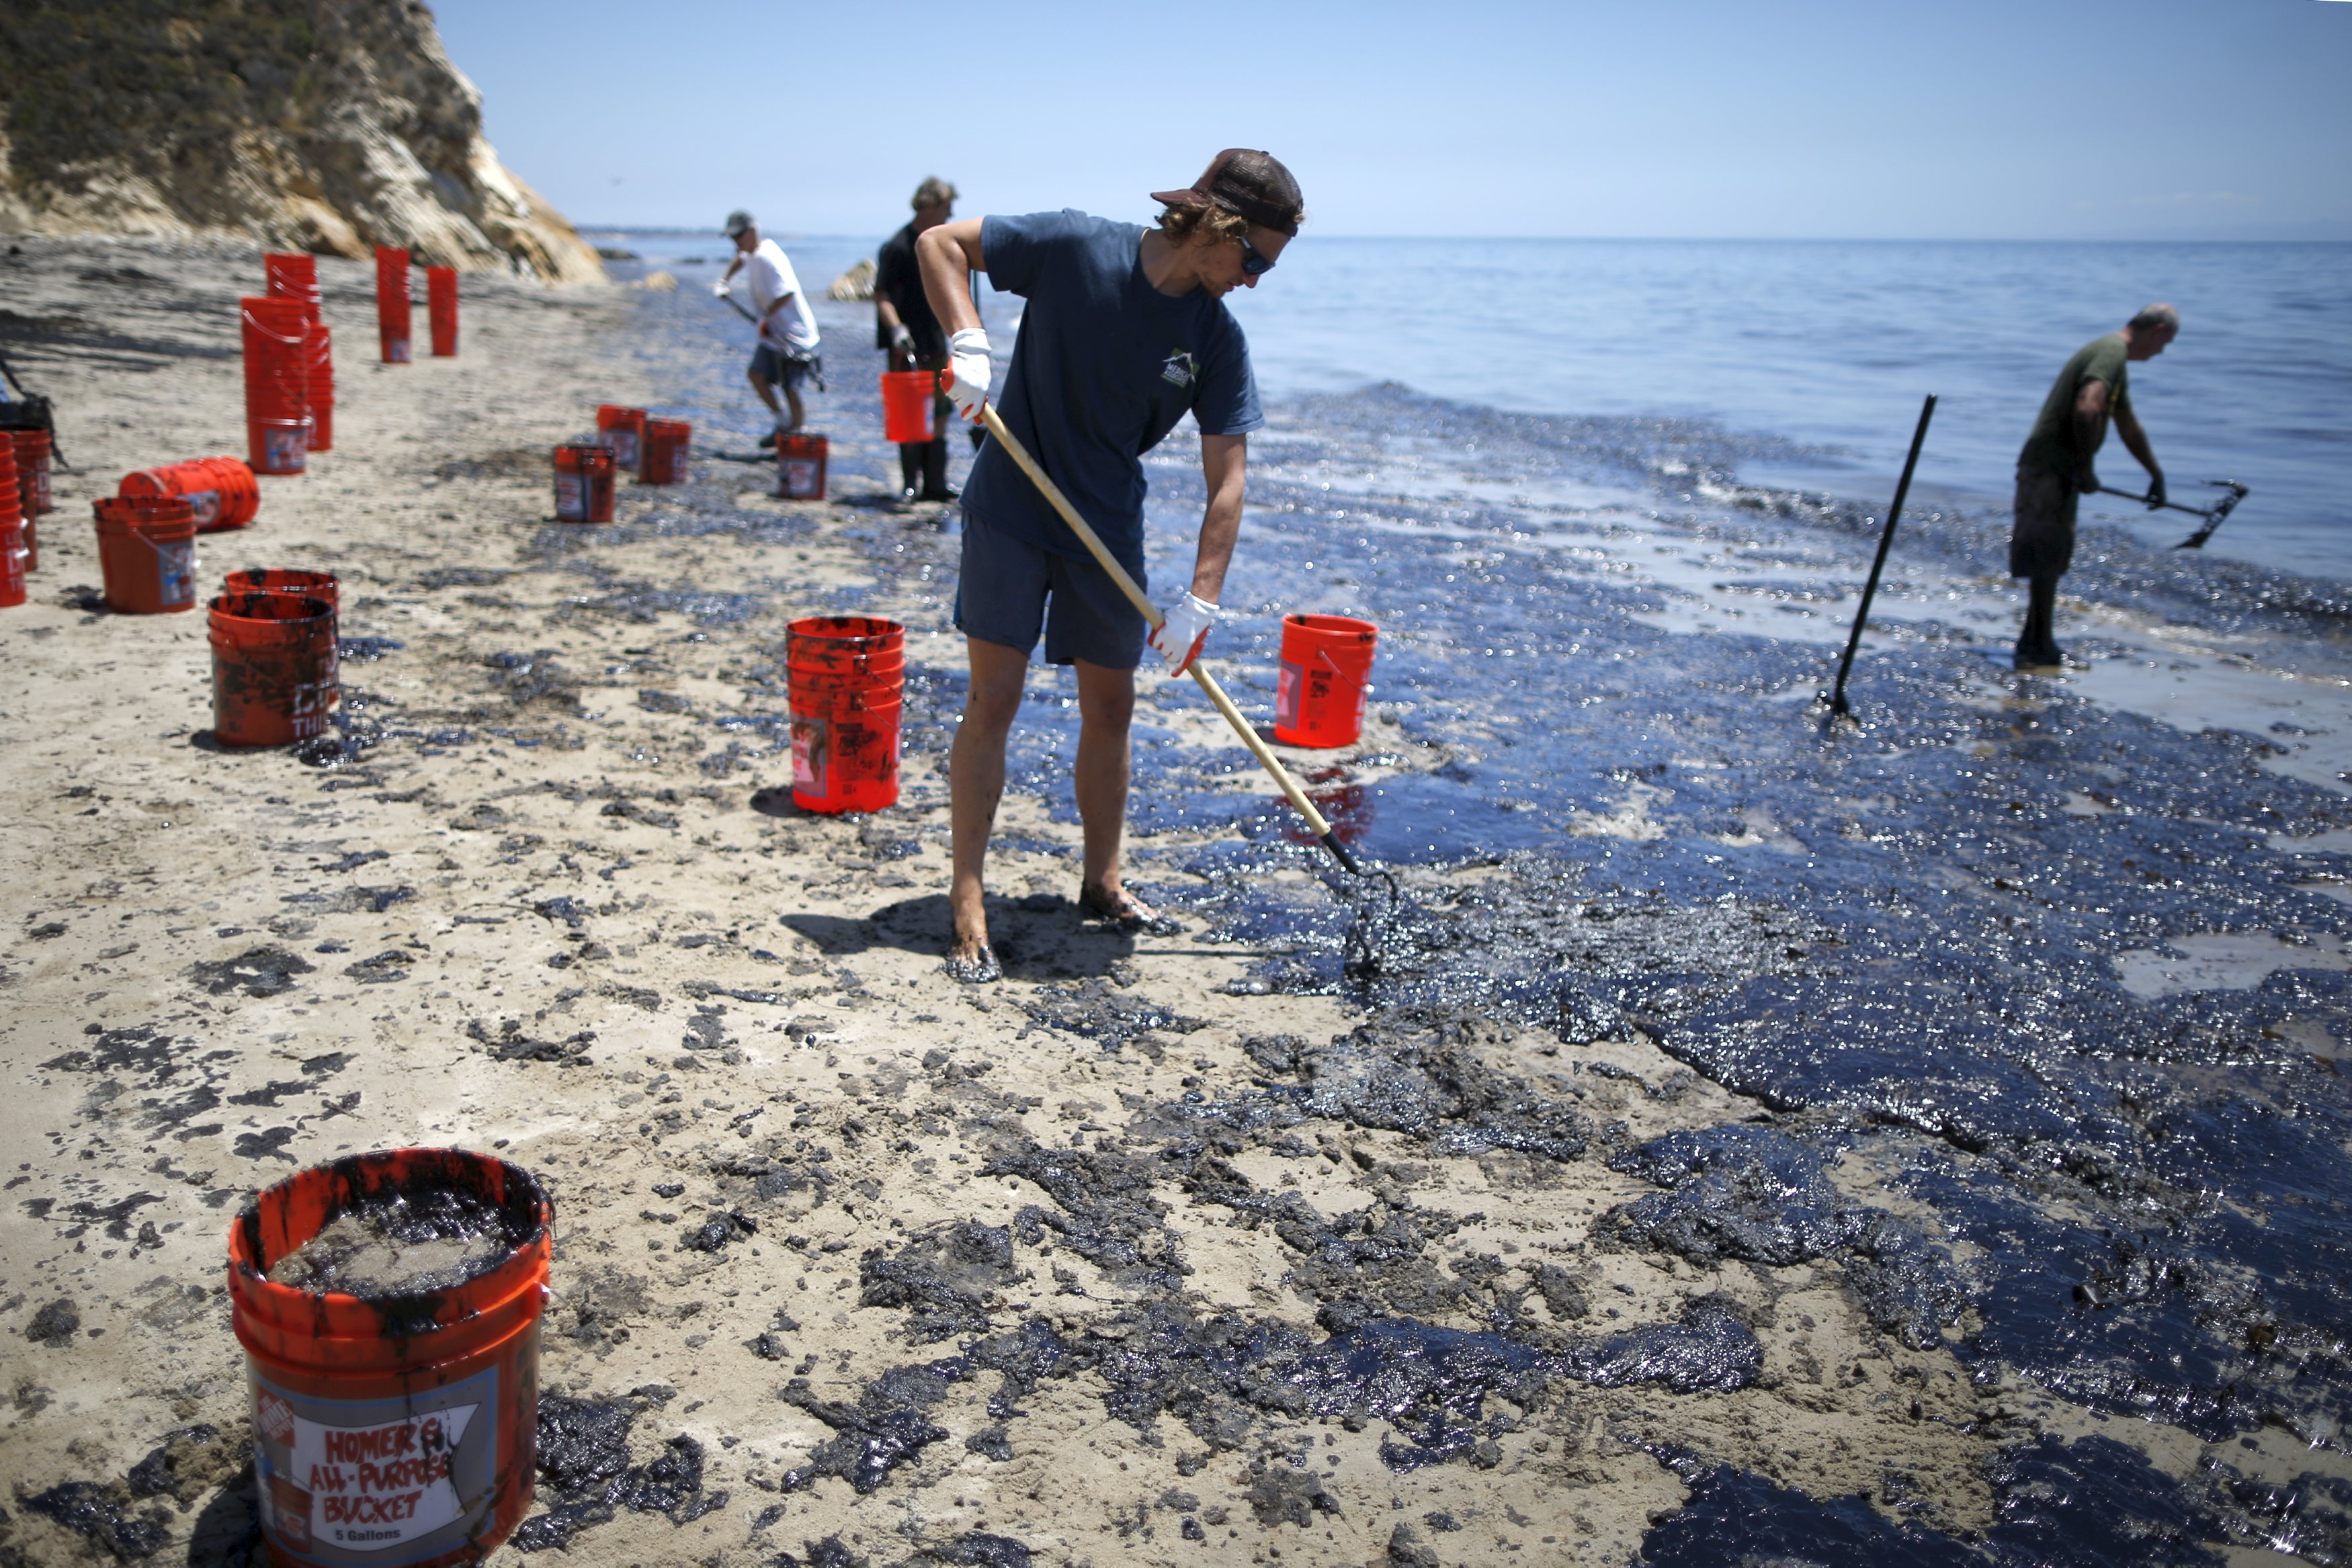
973	965
1122	911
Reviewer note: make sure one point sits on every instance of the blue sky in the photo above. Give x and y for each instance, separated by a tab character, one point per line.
1883	118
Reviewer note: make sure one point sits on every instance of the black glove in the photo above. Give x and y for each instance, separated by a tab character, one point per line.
2155	491
2087	481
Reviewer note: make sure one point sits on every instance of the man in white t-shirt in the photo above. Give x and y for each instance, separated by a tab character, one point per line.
787	354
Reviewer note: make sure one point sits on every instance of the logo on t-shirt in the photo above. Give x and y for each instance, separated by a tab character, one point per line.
1180	369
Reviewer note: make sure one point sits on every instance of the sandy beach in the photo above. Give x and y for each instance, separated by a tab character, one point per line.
1118	1261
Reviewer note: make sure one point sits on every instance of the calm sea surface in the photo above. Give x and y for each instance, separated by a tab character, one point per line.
1816	354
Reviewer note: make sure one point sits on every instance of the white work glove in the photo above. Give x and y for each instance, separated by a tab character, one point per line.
969	367
720	289
902	342
1179	636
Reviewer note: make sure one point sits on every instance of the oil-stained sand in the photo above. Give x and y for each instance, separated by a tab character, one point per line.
1688	1183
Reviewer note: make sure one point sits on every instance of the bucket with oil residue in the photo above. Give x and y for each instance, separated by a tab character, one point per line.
847	648
584	483
661	455
1327	666
147	553
222	489
389	1305
293	582
845	752
290	581
274	674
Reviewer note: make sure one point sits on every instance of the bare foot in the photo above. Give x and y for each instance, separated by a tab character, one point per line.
1122	911
972	962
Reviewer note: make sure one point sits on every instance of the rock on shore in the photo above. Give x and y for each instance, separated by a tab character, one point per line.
328	125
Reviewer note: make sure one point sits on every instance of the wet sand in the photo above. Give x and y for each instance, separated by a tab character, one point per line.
1124	1261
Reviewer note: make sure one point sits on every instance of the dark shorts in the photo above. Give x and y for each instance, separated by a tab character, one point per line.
1008	590
2041	537
782	370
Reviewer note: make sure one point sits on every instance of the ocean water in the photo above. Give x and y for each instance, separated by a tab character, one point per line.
1814	355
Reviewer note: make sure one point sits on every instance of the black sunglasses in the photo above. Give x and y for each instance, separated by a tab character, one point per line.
1254	262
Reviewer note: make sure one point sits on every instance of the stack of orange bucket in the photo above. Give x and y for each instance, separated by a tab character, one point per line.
294	276
222	489
277	384
147	553
393	315
34	496
441	309
14	552
661	455
623	430
846	675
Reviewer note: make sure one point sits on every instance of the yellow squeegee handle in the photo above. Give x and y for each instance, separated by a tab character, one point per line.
1224	704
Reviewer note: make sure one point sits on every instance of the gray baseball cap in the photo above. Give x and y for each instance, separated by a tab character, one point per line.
737	222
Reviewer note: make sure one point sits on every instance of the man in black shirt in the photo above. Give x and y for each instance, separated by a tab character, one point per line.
909	334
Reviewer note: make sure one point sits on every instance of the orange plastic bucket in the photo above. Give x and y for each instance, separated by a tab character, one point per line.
278	445
441	309
33	488
1326	664
287	580
291	582
623	430
662	456
844	644
907	399
221	490
273	668
13	510
12	565
319	368
393	1429
846	758
800	466
393	317
293	275
147	553
584	483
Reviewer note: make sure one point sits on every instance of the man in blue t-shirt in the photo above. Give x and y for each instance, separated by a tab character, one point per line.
1125	333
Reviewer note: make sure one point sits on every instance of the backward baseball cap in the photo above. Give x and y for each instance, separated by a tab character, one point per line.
737	222
1252	183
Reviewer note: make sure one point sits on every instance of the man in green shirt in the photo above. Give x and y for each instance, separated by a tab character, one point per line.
2055	469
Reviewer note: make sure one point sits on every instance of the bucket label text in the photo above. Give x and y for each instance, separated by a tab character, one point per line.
346	1481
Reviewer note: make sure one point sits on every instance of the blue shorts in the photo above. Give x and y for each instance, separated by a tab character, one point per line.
780	369
1009	591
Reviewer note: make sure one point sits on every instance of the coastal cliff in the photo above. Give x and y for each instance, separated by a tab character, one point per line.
328	125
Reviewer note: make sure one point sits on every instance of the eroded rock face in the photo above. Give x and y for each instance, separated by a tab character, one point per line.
328	125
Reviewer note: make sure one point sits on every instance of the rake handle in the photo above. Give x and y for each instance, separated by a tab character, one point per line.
1135	595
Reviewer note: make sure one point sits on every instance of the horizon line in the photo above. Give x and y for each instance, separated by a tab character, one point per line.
2345	238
